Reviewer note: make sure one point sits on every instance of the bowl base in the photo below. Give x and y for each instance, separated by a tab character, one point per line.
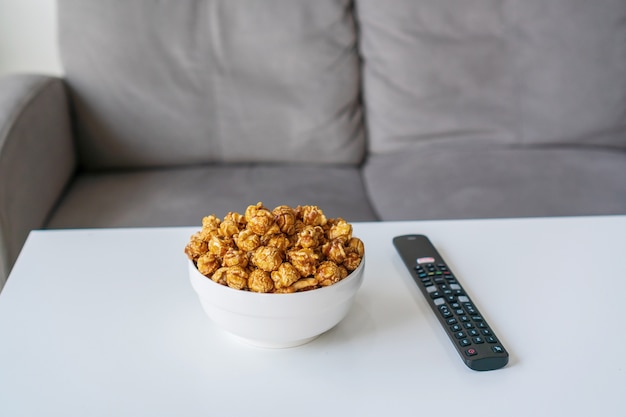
274	345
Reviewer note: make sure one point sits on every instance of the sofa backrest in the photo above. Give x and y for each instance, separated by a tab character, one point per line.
493	72
161	83
195	81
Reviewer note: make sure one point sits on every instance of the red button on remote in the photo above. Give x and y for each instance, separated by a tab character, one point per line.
471	352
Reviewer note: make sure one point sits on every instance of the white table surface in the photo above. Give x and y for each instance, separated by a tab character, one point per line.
105	323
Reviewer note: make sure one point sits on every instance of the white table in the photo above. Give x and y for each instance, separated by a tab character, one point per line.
105	323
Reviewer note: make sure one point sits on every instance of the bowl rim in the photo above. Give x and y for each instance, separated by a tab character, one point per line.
338	285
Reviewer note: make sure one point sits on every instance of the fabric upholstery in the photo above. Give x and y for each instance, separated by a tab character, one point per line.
165	83
36	157
493	72
182	196
452	183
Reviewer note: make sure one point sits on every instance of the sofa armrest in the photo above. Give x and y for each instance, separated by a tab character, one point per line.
37	157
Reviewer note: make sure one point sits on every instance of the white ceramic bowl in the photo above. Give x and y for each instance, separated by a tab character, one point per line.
276	320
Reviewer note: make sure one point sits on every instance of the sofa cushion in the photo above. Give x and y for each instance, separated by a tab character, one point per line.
520	72
164	83
182	196
449	183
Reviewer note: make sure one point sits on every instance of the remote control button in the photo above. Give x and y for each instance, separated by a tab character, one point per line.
470	308
455	328
464	318
431	289
455	287
486	332
471	352
440	302
478	340
491	339
497	349
468	325
477	318
462	298
473	332
464	342
436	294
426	260
459	335
445	312
451	320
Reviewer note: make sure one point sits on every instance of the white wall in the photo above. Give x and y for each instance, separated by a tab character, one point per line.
28	37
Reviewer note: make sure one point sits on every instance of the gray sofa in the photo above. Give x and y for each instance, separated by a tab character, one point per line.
372	110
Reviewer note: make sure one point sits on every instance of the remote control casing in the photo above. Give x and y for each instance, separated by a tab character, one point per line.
474	340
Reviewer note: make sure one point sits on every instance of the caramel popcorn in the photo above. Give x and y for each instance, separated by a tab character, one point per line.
260	220
311	215
260	281
237	277
285	275
309	236
208	263
342	230
210	223
335	251
196	247
234	257
279	241
283	250
219	276
328	273
219	245
304	260
305	284
267	258
228	228
247	240
285	219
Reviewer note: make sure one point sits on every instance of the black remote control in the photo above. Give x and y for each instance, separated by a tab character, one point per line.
468	330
